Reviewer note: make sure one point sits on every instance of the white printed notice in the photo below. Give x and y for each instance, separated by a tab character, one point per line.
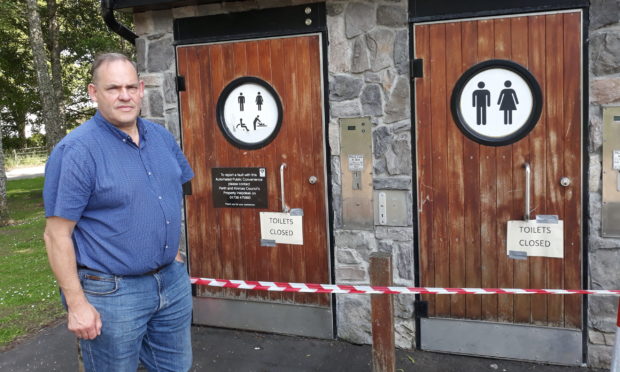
281	228
536	239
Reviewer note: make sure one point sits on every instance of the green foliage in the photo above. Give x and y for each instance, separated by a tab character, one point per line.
82	35
28	291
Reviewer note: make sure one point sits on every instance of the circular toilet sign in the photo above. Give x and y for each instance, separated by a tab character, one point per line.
249	112
496	102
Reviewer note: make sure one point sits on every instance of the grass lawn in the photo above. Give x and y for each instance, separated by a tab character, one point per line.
28	291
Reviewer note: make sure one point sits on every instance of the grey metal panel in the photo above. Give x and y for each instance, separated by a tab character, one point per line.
299	320
501	340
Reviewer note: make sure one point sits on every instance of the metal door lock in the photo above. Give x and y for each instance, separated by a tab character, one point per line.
565	181
312	180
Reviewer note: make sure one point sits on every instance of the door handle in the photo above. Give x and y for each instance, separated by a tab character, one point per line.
528	173
285	207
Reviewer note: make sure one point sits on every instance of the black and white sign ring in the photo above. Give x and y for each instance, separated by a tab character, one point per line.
249	112
496	102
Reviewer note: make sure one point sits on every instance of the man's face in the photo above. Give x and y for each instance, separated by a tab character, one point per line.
118	92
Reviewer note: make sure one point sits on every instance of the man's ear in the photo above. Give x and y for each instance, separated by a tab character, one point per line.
92	92
141	89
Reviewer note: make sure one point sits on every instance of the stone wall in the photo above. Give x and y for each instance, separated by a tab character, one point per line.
604	253
368	59
369	76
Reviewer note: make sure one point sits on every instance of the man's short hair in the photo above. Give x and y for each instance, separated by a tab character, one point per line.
108	57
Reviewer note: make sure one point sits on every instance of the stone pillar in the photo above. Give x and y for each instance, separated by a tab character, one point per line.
368	76
604	253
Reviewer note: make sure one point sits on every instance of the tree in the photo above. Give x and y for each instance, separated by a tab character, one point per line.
4	209
52	116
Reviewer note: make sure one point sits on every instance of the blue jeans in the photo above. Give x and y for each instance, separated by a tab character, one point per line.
145	319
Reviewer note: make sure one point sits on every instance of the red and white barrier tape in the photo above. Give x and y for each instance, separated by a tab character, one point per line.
366	289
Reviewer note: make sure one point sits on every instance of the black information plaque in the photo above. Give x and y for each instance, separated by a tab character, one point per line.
239	187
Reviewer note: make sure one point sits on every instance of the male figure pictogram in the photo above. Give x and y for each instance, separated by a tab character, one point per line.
241	101
481	99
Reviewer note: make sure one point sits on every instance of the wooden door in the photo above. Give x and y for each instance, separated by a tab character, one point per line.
226	242
467	191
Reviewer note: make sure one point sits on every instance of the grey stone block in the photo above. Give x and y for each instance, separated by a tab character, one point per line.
170	88
398	105
371	100
380	45
156	102
602	312
604	13
141	54
404	260
599	356
359	18
353	317
347	257
381	140
392	183
334	9
604	271
362	242
160	55
350	274
344	87
402	234
345	109
401	52
162	20
360	60
172	123
391	16
605	53
398	156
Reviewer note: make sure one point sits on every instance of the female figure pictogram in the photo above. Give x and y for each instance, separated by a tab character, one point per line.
508	102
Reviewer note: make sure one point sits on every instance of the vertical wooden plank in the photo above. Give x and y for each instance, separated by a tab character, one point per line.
304	149
538	142
281	66
269	265
521	155
505	186
440	165
456	191
239	228
555	150
488	191
572	166
254	258
317	259
424	164
471	173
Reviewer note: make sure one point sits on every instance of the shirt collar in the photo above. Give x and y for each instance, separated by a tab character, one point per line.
103	123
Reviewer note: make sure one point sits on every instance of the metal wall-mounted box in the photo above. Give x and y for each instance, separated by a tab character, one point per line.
356	171
611	172
391	207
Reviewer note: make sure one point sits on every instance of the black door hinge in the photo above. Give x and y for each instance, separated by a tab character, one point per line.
417	68
421	309
187	188
180	83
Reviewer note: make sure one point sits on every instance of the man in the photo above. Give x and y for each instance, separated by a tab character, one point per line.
113	194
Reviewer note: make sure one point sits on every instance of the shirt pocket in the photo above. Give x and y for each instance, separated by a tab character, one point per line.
99	285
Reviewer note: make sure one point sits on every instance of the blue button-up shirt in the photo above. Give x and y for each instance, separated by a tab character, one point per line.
126	199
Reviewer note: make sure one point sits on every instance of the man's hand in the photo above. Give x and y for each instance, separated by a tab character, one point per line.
84	321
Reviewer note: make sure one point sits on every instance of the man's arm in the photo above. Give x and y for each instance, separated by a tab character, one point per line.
83	318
